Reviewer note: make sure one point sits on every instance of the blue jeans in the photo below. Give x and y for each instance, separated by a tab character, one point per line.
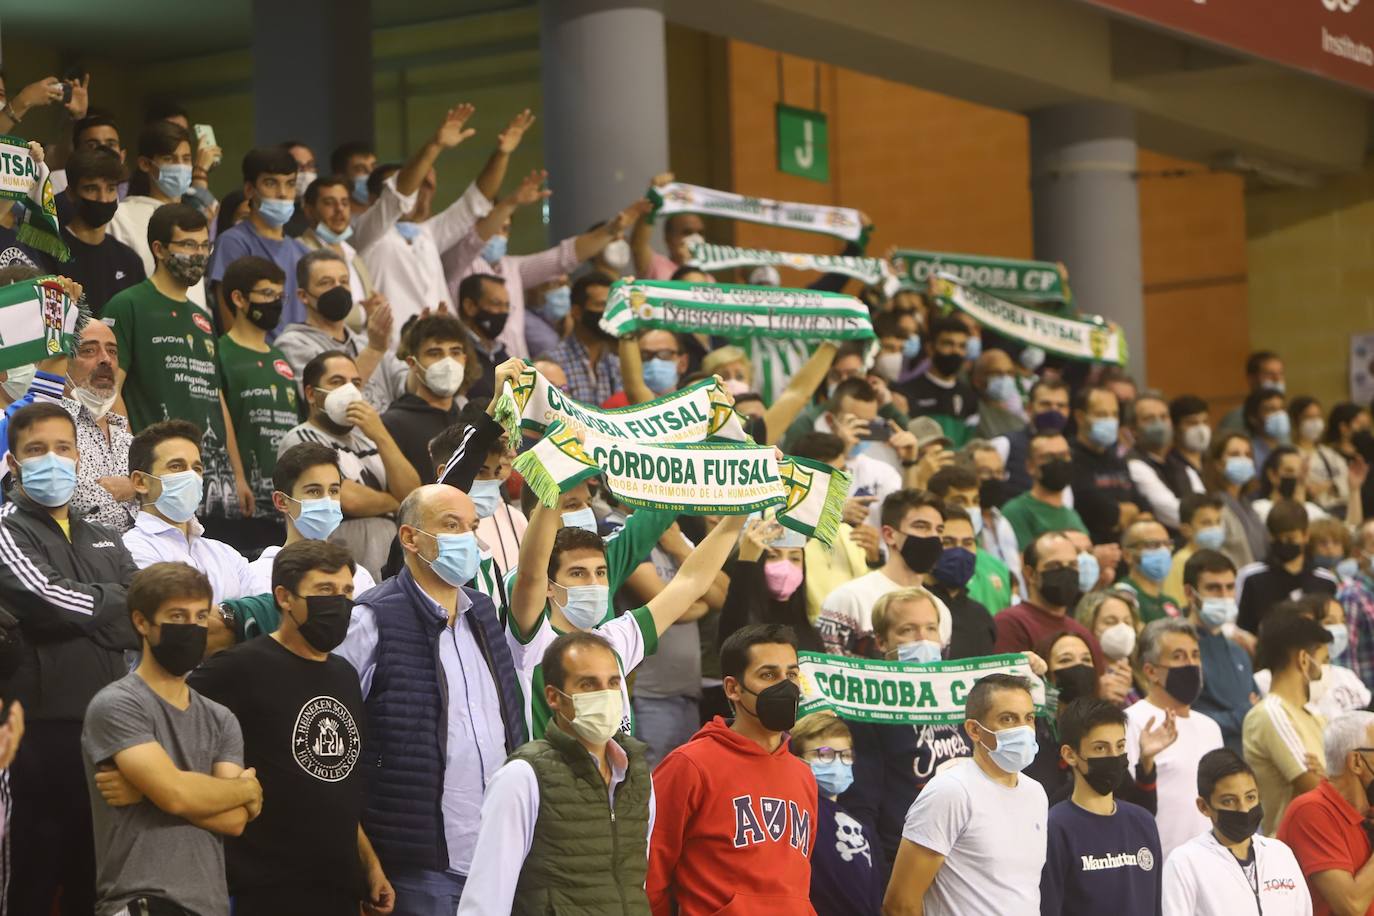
424	892
664	723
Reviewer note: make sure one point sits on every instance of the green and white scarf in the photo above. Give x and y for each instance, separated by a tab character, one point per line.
1014	279
902	693
870	271
701	478
37	321
734	310
690	415
23	179
675	198
1087	337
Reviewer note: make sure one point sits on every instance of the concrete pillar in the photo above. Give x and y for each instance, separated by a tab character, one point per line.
605	106
312	73
1087	211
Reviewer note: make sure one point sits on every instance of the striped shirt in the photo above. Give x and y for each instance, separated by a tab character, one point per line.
1278	737
359	460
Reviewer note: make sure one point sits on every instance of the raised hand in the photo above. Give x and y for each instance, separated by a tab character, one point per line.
626	218
379	321
663	178
452	130
508	140
1155	738
529	190
80	100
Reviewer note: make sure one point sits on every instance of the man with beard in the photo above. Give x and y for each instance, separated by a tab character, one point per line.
104	492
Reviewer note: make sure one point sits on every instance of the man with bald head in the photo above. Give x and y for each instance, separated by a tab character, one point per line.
104	492
999	397
1148	551
442	700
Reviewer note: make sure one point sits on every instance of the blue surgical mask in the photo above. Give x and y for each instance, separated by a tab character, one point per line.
318	518
1210	538
180	497
921	653
1089	571
458	557
557	302
1340	639
330	237
583	518
50	479
495	249
974	348
911	347
833	778
1103	431
360	189
173	180
1154	564
586	605
408	230
1217	612
276	213
1240	469
660	375
1348	568
486	496
1278	426
1002	388
1016	747
975	517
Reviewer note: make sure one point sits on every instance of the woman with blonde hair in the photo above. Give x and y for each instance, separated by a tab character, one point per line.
1113	616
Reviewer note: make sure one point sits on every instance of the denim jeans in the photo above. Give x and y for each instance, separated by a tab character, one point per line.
425	892
664	723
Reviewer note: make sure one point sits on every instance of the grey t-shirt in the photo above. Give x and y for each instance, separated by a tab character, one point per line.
141	850
675	669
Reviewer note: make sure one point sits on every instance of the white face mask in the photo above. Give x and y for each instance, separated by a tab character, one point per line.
336	402
1117	641
617	254
596	715
888	365
96	403
1311	430
444	376
692	241
304	180
17	381
1197	438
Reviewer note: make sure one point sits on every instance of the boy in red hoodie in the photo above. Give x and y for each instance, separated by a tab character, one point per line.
736	812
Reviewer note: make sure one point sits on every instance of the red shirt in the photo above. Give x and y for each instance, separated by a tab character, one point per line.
1324	832
1025	627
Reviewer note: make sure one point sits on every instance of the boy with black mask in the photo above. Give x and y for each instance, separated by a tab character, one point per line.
1286	571
1099	848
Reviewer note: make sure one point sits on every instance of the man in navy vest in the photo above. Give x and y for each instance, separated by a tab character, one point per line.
442	699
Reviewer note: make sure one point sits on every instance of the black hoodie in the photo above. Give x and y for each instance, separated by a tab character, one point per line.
412	423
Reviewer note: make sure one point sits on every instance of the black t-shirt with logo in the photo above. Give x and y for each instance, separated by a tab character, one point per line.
102	270
1094	861
302	729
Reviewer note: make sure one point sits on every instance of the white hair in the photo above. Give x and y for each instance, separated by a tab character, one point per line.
1343	735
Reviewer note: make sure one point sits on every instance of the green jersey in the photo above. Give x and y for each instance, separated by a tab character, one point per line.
260	391
991	583
167	350
1031	518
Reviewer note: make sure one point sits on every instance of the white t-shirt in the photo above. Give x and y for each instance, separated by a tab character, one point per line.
992	837
261	571
1203	878
1176	770
847	612
632	635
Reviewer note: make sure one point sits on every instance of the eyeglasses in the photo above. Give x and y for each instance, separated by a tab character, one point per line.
661	354
829	755
188	245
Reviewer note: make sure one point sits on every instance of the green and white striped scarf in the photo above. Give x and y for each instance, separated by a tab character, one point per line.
37	321
675	198
870	271
700	478
23	179
734	310
1006	277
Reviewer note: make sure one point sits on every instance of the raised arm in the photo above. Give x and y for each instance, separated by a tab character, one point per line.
589	244
797	394
529	191
507	142
531	590
696	575
632	370
641	239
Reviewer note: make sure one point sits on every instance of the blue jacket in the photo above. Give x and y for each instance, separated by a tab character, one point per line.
405	745
1228	679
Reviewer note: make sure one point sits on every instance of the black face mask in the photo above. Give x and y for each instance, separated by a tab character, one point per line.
1287	487
776	707
1237	825
491	324
335	304
1056	475
1049	421
1074	682
921	554
95	213
947	363
1184	683
1286	551
1059	587
326	622
756	428
180	647
592	322
265	315
992	494
1105	774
